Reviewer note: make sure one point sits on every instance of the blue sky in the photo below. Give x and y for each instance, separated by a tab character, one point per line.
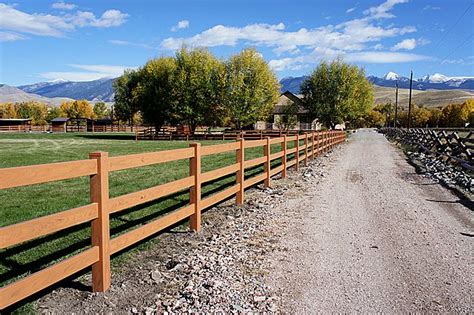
84	40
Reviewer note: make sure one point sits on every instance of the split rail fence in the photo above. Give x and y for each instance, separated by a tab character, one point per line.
100	165
445	143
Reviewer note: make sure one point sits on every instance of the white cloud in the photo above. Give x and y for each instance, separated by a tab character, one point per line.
92	72
378	47
55	25
350	10
382	11
430	7
10	37
410	44
127	43
181	25
63	6
384	57
406	44
305	61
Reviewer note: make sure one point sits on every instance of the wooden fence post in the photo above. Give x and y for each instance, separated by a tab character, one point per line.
306	149
297	153
240	176
283	158
195	190
312	145
267	165
100	230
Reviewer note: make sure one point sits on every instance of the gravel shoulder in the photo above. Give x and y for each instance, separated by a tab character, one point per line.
376	237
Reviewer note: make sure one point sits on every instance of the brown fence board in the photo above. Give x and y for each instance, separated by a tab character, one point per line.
28	230
37	174
138	197
125	240
221	172
27	286
143	159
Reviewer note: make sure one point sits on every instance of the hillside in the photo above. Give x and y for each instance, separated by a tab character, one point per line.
97	90
430	98
10	94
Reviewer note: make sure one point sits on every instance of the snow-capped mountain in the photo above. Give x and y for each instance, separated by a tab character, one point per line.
391	76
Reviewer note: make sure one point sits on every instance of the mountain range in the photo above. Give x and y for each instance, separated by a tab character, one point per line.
54	92
435	81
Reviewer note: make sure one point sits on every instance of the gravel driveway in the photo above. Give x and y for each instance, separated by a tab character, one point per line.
373	236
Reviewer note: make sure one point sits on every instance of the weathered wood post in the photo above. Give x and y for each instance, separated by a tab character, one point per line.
306	149
267	165
297	152
100	230
283	158
195	190
240	157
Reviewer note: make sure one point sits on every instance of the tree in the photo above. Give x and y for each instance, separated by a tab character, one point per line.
8	110
53	112
155	94
100	110
126	97
435	117
420	116
457	115
198	88
77	109
337	92
33	110
252	89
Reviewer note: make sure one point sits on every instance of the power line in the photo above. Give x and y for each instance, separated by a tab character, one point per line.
457	48
454	25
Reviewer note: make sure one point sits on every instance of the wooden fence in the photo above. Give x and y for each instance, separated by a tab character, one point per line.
101	206
167	133
447	143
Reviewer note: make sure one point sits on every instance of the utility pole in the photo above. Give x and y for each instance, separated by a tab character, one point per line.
396	106
409	101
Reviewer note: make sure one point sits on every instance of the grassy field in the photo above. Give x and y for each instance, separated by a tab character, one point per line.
23	203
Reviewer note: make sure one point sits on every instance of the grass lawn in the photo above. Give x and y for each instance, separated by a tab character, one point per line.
24	203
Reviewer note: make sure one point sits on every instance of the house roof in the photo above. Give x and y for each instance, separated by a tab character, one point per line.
60	119
15	119
287	98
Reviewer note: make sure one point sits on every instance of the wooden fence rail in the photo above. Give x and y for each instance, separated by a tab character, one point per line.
100	165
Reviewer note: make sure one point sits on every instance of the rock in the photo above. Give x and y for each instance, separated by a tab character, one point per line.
259	298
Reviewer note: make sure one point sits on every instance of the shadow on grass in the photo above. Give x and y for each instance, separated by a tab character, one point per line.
108	136
121	222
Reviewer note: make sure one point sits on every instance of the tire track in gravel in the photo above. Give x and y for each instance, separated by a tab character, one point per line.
375	237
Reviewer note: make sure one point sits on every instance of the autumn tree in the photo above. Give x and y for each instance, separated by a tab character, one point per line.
100	110
252	89
337	92
199	88
33	110
8	110
77	109
54	112
457	115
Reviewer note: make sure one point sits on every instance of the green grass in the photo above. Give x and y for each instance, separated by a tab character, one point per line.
24	203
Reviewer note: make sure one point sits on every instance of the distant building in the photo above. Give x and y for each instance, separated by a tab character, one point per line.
15	124
278	119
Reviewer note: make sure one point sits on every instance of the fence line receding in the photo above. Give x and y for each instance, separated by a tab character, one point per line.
101	206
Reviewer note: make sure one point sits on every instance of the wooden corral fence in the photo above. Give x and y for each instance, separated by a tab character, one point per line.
172	133
101	206
448	144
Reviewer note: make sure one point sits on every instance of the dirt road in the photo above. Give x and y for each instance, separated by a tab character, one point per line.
376	237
